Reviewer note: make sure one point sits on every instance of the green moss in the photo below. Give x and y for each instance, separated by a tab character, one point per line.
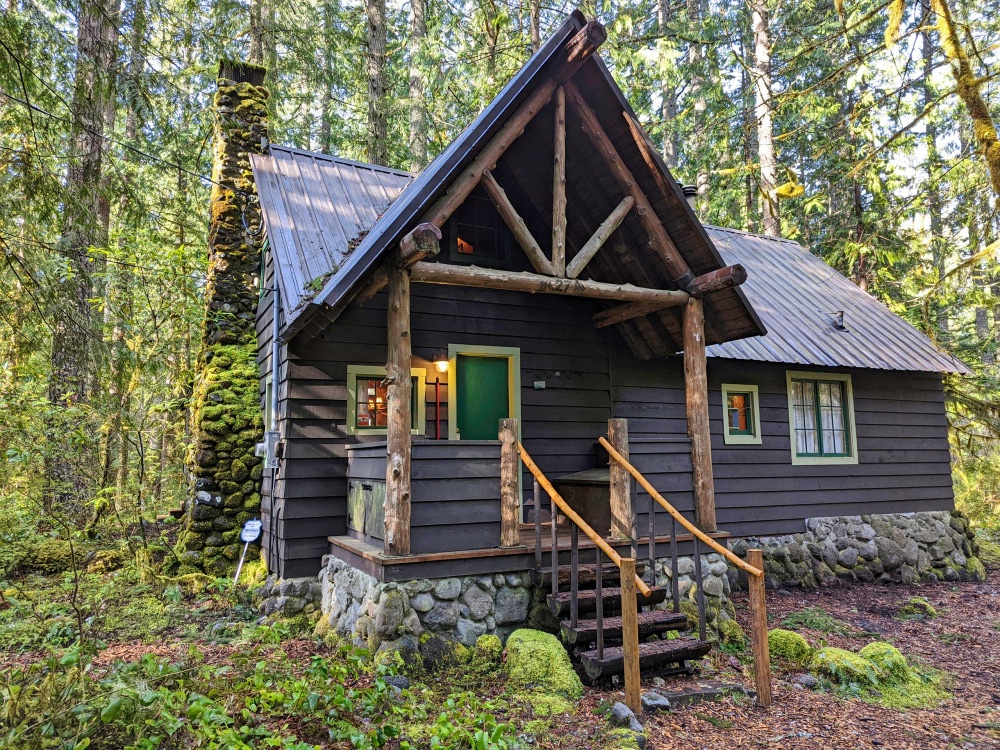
918	691
50	556
846	667
731	636
975	570
918	608
537	660
814	618
545	705
620	739
890	662
789	646
537	727
487	651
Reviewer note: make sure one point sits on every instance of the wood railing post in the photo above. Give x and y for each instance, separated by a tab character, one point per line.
510	510
622	512
630	636
696	391
397	377
758	630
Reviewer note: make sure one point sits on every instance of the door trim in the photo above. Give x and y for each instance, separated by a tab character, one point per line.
513	356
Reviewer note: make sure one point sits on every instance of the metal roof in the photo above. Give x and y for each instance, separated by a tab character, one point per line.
797	296
317	209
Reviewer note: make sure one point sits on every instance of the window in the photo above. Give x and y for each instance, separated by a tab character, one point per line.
821	417
740	414
478	234
368	400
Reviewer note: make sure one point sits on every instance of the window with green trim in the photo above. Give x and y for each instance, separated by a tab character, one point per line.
820	415
368	400
740	414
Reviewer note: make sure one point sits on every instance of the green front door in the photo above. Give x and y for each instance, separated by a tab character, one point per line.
482	395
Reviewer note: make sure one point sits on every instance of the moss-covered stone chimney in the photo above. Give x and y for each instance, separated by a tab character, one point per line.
225	409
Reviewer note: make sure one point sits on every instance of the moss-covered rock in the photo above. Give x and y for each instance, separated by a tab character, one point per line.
538	661
846	667
620	739
48	557
788	646
487	651
890	662
441	653
731	635
918	608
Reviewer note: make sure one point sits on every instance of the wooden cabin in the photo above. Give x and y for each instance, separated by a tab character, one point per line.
547	269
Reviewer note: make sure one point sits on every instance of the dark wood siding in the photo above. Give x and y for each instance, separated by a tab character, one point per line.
560	423
903	455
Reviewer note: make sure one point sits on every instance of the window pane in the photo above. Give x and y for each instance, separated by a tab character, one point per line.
739	408
832	415
373	403
804	418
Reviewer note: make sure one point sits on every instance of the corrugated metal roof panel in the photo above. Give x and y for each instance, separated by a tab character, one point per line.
797	296
317	209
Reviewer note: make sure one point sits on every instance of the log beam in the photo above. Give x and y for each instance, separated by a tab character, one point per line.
596	242
724	278
510	508
559	187
659	240
628	311
423	242
578	50
488	278
517	226
696	392
397	378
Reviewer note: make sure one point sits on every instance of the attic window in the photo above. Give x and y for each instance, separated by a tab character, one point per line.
478	234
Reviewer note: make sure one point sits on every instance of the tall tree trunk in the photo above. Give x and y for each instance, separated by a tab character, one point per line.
749	187
535	11
74	329
668	96
378	121
764	116
418	105
969	89
326	119
135	66
697	84
937	245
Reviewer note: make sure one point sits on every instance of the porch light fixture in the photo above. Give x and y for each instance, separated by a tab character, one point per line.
441	362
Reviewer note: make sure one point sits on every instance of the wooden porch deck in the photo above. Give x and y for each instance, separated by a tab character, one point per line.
372	559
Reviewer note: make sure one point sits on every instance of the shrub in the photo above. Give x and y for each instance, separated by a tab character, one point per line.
846	667
787	645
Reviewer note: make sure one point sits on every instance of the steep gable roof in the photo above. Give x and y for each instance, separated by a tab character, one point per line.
592	195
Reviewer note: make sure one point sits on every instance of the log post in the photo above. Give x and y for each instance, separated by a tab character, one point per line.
397	378
622	512
758	630
696	392
559	187
630	636
509	506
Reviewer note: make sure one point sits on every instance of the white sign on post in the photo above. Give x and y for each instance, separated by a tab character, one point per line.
251	533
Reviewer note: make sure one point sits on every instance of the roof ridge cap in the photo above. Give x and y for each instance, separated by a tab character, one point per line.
757	235
343	160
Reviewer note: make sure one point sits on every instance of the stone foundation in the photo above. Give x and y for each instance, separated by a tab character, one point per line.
898	548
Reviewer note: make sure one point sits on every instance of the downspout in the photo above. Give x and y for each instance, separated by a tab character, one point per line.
271	439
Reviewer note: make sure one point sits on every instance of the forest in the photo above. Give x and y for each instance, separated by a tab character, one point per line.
865	130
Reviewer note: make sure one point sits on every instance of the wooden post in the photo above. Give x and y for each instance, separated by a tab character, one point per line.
596	242
559	187
516	225
758	630
630	636
696	391
509	506
622	512
397	377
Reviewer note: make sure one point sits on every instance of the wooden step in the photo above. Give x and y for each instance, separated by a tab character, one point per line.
586	575
653	656
559	604
650	623
172	513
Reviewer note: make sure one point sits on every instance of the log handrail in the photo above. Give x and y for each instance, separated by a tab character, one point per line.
573	516
695	531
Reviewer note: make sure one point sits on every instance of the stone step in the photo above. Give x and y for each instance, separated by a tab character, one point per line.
559	603
650	623
653	656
